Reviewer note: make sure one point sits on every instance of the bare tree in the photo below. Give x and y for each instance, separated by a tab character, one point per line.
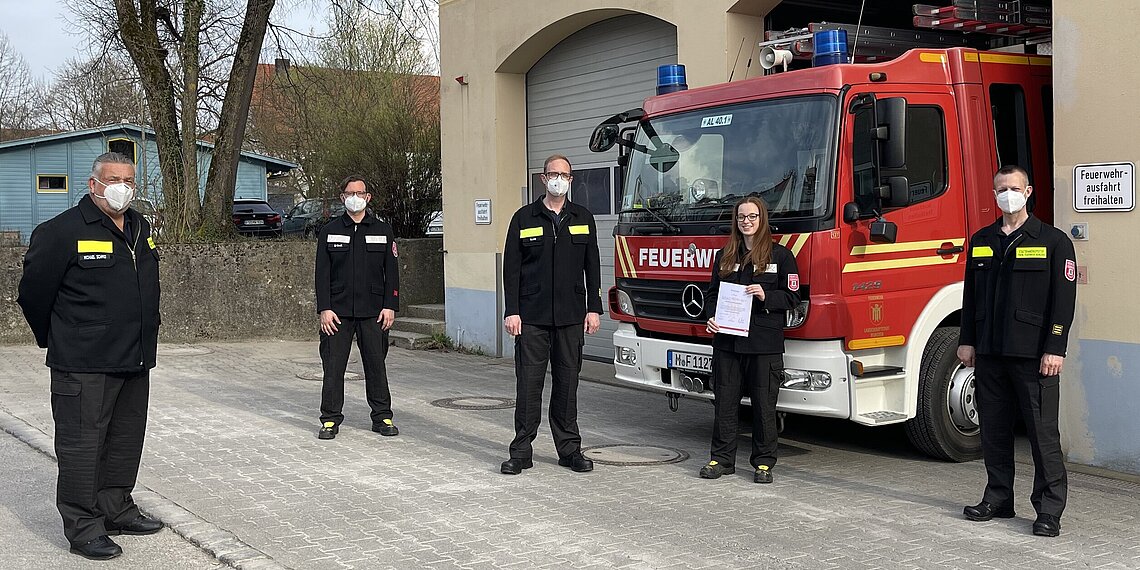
17	90
91	93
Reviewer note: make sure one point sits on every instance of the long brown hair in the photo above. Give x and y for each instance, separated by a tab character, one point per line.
761	253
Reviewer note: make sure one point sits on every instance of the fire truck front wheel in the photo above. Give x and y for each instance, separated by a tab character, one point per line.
946	423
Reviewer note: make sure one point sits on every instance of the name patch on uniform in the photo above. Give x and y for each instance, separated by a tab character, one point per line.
150	242
337	238
530	232
94	256
982	251
90	246
793	282
579	230
375	239
1031	252
1058	329
771	268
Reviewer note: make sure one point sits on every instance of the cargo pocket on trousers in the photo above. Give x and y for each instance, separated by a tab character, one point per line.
65	402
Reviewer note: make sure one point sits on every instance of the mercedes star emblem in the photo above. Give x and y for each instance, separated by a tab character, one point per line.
693	300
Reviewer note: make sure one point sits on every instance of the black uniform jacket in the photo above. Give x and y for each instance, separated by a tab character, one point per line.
357	270
552	277
1023	296
781	282
90	293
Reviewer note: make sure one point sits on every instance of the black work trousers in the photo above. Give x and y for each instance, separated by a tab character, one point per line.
372	340
1006	387
761	375
561	347
100	424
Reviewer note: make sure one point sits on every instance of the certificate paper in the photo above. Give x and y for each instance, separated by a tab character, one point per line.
733	309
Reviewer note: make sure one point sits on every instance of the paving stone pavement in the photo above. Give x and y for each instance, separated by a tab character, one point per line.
232	456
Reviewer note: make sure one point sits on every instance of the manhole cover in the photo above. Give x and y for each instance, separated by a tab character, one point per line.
183	350
315	360
475	403
320	376
628	455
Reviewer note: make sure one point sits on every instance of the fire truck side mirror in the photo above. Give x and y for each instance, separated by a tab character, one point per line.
883	231
896	192
851	213
890	116
605	137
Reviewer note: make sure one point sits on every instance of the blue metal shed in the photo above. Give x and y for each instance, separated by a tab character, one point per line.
43	176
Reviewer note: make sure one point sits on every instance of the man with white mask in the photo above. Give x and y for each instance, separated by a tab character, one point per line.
90	293
1018	299
358	288
552	288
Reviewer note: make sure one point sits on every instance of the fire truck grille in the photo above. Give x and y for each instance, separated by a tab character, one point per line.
654	299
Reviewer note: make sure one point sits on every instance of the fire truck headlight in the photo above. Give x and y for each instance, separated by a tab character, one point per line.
809	380
625	304
797	316
625	355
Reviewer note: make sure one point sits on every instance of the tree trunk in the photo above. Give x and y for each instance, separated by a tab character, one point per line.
222	176
191	29
139	31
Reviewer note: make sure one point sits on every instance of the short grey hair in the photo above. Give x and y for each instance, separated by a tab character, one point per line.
110	158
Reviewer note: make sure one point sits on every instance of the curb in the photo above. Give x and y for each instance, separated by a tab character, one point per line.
222	544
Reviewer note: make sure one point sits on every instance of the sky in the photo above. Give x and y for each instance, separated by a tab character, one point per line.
40	29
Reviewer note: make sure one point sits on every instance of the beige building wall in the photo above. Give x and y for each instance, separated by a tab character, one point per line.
1095	62
486	49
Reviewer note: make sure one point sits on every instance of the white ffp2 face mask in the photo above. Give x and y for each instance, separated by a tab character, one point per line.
355	204
1010	201
557	186
117	195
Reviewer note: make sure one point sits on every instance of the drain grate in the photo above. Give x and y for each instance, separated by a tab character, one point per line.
475	403
629	455
183	350
320	376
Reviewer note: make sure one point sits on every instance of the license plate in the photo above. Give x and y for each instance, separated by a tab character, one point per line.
255	222
690	361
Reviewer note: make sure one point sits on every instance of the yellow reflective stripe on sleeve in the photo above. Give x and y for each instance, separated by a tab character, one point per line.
530	232
150	242
982	251
88	246
1031	252
579	230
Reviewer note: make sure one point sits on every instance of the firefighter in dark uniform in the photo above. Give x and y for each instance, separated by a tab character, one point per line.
1017	305
754	362
552	280
357	285
89	291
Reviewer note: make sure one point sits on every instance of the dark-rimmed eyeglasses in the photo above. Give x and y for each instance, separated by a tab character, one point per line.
747	217
563	175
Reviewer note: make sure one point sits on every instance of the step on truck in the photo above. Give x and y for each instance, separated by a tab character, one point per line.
875	176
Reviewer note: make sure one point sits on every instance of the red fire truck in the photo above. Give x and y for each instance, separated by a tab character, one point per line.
875	176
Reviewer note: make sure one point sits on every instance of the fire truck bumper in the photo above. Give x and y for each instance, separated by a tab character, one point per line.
817	378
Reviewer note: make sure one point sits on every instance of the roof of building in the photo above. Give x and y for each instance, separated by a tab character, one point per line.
272	164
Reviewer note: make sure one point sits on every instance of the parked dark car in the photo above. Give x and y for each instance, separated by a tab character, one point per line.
256	217
307	218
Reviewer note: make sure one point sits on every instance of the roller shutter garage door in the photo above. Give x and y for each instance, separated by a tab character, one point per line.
601	70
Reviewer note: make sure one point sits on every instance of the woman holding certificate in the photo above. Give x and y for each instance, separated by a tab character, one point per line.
754	283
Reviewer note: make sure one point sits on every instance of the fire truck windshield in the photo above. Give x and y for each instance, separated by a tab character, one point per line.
694	166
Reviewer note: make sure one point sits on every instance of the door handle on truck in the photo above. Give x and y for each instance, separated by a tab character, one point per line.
951	250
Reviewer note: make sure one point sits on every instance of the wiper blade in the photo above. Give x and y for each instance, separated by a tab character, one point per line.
669	226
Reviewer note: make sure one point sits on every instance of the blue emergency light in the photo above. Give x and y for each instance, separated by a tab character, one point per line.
830	47
671	78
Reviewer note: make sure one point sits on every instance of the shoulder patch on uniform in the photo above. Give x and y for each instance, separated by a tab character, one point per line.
1031	252
1058	329
583	229
793	282
1070	270
395	253
982	251
95	246
150	242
